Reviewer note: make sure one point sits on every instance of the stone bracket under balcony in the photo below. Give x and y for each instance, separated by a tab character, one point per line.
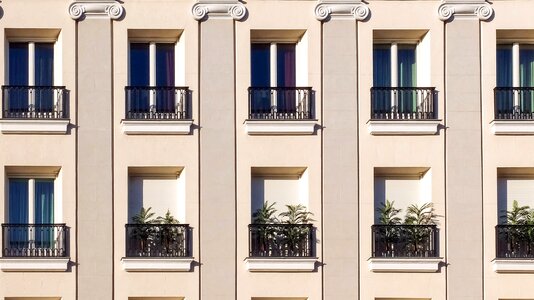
403	127
512	127
280	264
144	127
513	265
405	265
280	127
156	264
28	264
34	126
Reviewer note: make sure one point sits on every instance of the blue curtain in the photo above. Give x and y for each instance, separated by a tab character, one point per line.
44	212
165	77
139	77
260	76
381	78
504	99
526	75
18	75
18	212
44	76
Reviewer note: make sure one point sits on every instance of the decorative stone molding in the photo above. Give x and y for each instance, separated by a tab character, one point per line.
28	264
351	9
103	8
285	264
513	265
512	127
280	127
154	264
404	127
34	126
156	127
405	265
482	10
232	9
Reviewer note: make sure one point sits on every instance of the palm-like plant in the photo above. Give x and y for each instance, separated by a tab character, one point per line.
295	237
265	214
144	231
170	235
420	215
518	215
388	213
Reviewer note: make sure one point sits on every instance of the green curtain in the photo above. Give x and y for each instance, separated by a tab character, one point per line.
526	76
407	77
44	212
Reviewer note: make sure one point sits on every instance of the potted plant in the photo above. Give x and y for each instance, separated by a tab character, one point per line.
419	236
390	233
264	235
171	237
143	233
295	238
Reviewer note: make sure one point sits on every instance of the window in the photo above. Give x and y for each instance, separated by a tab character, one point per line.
401	76
32	214
152	93
514	94
278	73
30	92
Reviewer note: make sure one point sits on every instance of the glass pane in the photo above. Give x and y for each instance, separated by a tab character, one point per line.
260	65
526	65
44	76
165	77
504	65
18	63
139	64
285	65
381	66
18	201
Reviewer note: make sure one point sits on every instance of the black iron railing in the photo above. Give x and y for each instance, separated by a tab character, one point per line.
281	240
402	103
156	103
280	103
158	240
405	241
34	240
514	241
514	103
34	102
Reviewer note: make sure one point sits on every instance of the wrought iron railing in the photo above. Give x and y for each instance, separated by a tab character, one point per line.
34	102
514	103
156	103
34	240
514	241
280	103
158	240
402	103
404	241
281	240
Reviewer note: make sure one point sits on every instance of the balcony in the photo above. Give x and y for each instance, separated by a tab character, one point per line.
403	110
514	249
280	110
34	247
157	110
158	247
34	109
281	247
404	248
514	111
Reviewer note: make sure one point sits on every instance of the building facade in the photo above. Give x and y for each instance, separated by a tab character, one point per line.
170	150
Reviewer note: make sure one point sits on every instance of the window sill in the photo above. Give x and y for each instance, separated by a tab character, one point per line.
281	264
141	127
280	127
34	264
403	127
405	265
156	264
513	265
39	126
512	127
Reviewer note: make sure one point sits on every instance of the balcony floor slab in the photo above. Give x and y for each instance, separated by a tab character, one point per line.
403	127
147	127
34	126
29	264
280	127
513	265
156	264
512	127
405	265
281	264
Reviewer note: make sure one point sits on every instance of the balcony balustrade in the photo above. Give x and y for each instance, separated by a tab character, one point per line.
514	241
34	102
514	103
281	240
34	240
280	103
158	240
402	103
156	103
404	241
